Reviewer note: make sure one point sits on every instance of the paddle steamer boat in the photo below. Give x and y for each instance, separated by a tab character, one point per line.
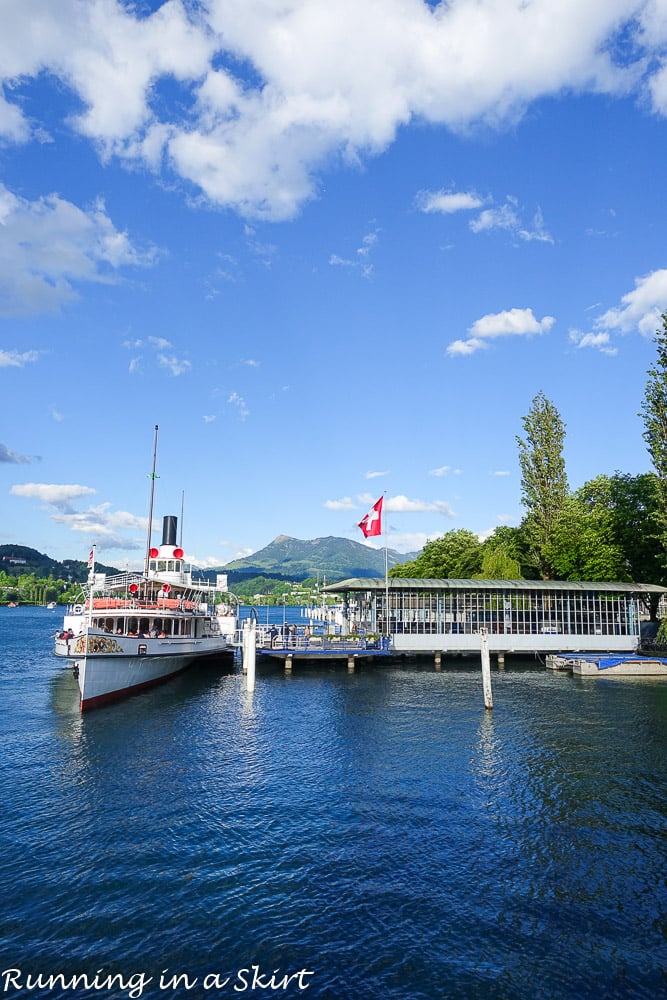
132	631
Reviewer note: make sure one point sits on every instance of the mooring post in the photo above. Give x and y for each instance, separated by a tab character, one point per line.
288	663
486	668
251	647
438	659
244	646
350	664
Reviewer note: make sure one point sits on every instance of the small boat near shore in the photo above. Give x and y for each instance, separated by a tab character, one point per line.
131	631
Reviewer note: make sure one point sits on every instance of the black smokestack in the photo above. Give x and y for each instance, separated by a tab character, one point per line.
169	530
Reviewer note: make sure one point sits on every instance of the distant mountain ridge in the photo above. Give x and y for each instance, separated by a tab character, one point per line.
294	559
284	558
18	559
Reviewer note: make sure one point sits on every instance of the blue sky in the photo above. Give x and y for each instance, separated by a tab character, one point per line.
333	248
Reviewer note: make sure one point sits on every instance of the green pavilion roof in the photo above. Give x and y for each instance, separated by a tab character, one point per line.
407	583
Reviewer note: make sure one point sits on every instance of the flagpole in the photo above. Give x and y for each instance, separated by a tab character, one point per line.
386	566
91	584
150	508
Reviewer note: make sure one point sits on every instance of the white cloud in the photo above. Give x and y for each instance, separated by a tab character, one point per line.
58	495
239	403
448	202
410	541
361	259
508	218
12	457
49	246
402	504
444	470
511	322
640	310
377	475
104	525
172	363
504	217
99	523
12	359
345	503
599	341
272	92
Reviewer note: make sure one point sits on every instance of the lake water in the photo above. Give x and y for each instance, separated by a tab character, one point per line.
367	836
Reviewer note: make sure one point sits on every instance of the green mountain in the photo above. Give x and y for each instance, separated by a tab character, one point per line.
16	560
288	558
284	558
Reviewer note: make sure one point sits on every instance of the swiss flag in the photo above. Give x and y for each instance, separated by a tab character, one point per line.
371	524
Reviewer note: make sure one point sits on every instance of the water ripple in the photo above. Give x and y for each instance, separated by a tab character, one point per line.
380	829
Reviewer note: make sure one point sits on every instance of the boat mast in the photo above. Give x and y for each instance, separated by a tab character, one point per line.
153	477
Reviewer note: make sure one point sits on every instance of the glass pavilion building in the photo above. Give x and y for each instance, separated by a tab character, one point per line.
520	616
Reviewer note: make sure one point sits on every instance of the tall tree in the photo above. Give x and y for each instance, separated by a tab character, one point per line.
544	486
503	555
654	412
608	530
455	554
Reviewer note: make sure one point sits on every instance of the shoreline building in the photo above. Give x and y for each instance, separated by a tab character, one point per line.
520	616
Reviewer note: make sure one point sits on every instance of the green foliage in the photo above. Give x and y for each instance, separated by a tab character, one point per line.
582	544
609	530
544	487
654	412
498	564
456	554
505	555
662	632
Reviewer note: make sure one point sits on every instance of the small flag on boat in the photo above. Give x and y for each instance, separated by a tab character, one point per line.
91	558
371	524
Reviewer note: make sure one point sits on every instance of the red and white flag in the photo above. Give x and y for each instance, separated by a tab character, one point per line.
371	524
91	558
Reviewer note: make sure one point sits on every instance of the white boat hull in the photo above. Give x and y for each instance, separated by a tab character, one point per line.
109	668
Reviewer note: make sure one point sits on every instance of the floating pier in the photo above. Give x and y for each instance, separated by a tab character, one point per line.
608	665
300	646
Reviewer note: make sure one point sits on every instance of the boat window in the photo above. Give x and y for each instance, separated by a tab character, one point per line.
152	565
177	566
162	566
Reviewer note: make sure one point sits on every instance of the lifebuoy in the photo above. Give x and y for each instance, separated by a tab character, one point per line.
77	609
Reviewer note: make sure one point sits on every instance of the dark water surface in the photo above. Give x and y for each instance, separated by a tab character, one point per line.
376	835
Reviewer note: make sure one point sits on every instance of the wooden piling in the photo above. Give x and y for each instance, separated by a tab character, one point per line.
486	668
250	651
